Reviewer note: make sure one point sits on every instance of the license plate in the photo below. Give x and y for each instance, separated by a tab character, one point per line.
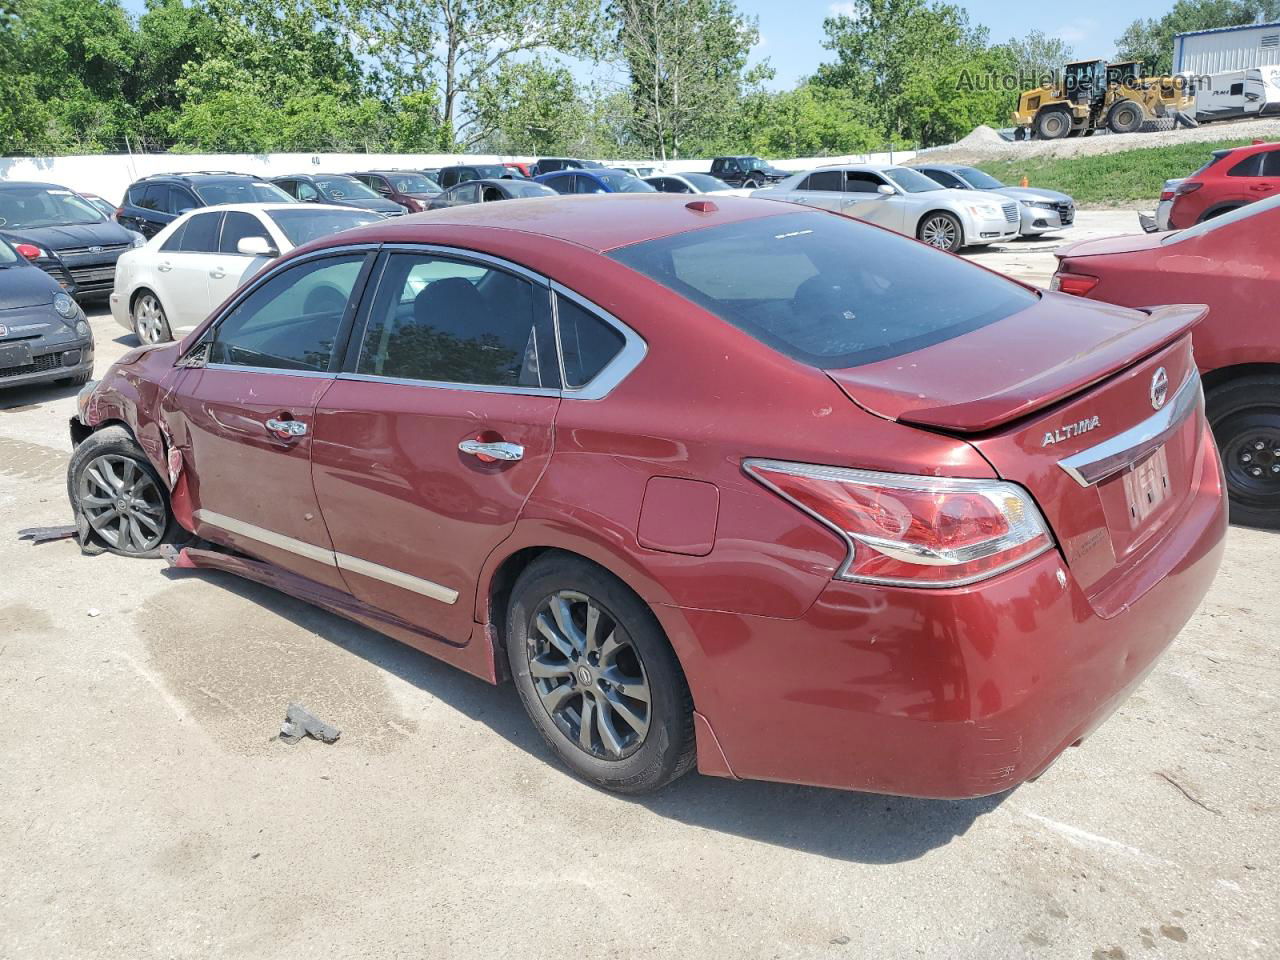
1146	486
14	355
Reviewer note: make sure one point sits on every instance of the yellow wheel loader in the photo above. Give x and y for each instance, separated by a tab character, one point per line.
1092	93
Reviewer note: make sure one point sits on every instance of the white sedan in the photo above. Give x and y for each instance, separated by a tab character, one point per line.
195	263
693	183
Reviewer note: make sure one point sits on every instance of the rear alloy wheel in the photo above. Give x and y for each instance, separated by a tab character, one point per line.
1245	417
597	676
1125	117
754	183
120	495
941	230
149	320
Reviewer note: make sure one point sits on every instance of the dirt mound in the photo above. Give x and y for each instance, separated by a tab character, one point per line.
980	138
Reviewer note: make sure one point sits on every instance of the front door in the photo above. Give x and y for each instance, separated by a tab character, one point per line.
863	199
244	420
229	268
425	453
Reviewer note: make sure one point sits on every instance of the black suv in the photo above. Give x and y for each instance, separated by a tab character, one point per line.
556	164
746	171
154	202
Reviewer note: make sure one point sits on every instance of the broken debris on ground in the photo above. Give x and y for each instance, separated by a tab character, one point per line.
300	722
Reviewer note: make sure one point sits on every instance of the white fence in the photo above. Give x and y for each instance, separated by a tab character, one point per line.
109	175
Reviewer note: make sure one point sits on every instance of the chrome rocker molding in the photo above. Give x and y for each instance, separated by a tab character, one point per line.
340	561
1138	442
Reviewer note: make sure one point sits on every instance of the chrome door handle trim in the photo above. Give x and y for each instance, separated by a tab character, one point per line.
287	428
498	451
164	267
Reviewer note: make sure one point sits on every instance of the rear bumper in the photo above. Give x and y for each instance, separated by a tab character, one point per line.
948	693
119	304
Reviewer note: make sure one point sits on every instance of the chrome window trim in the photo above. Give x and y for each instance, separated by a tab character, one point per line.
616	370
279	371
461	253
449	385
1131	446
330	558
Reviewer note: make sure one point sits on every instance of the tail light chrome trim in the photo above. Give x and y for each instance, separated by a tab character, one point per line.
1138	442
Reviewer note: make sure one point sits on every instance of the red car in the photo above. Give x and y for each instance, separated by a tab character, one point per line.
1229	263
520	168
728	482
1231	179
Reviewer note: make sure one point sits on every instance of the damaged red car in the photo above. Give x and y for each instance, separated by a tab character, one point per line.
728	483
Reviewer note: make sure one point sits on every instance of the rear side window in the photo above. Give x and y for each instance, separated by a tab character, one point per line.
586	342
447	321
201	234
1271	163
1250	166
831	180
154	196
174	242
826	290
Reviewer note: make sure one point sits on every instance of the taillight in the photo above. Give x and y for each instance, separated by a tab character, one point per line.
1190	186
914	531
29	250
1076	284
1166	195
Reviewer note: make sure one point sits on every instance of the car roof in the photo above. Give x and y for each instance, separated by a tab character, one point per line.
598	222
32	183
269	207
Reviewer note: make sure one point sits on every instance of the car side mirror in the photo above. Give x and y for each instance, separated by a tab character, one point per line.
256	247
885	190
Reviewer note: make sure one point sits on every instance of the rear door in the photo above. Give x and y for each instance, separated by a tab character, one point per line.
186	297
427	449
822	188
244	420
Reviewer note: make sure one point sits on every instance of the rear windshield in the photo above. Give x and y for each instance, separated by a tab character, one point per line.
307	223
624	182
529	189
240	191
826	290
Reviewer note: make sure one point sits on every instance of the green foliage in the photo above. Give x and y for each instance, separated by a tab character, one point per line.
1151	40
809	121
1109	178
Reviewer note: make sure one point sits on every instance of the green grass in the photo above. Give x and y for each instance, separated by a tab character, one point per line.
1104	179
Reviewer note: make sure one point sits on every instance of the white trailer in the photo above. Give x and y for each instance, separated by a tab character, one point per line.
1252	92
1208	52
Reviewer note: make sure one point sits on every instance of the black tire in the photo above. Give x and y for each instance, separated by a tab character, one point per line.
1125	117
1181	119
941	230
96	465
149	318
635	649
1216	212
1244	413
1052	124
1020	133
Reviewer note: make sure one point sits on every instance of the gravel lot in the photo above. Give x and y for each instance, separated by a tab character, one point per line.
145	810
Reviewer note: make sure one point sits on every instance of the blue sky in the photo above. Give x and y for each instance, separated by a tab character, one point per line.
791	30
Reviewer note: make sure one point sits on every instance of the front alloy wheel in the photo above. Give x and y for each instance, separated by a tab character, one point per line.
941	230
123	503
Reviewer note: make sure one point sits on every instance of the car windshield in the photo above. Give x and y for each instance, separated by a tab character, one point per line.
624	183
240	191
1263	208
706	183
912	181
826	290
529	189
753	162
345	188
44	207
413	183
979	179
307	223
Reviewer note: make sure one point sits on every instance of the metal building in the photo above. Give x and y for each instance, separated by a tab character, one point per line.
1227	48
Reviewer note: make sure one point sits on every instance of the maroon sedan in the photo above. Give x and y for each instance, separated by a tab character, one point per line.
732	483
1231	264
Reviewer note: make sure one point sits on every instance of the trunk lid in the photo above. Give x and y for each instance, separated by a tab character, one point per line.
1098	413
1129	243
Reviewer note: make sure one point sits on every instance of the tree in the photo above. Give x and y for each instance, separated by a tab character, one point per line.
533	107
459	46
809	121
1035	57
687	63
907	59
1151	41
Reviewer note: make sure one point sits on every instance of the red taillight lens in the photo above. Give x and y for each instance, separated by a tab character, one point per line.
29	250
1076	284
1166	195
1191	186
914	531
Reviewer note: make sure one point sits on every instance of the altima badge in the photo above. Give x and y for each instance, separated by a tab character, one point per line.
1067	431
1159	389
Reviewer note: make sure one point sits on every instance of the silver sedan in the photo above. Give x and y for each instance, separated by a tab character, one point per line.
1043	211
905	201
